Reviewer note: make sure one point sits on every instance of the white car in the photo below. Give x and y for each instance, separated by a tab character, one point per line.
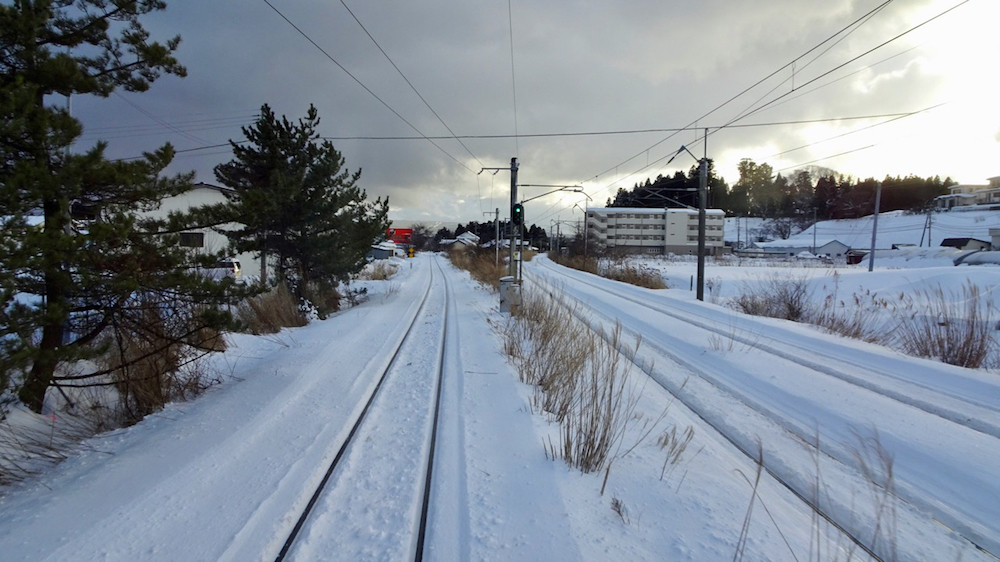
227	267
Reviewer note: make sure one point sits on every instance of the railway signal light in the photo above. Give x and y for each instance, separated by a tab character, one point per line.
517	214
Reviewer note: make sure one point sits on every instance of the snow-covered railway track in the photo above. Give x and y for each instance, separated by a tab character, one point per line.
978	411
389	450
680	337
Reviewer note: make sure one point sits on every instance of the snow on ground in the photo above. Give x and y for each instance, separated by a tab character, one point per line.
899	227
219	478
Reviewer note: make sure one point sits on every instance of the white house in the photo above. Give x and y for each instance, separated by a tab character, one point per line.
827	248
655	231
205	239
465	239
966	195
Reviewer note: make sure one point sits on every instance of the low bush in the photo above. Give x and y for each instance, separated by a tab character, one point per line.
378	270
323	296
776	297
628	271
482	265
954	328
861	318
269	312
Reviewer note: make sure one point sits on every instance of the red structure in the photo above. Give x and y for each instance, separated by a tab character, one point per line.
402	236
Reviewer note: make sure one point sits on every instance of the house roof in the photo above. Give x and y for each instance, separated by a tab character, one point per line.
800	243
960	242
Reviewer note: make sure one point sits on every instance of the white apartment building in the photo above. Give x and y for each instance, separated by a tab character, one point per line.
655	231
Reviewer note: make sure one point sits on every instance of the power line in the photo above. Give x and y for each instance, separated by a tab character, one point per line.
730	100
414	88
366	88
826	158
891	116
158	120
896	118
864	19
626	131
838	67
842	65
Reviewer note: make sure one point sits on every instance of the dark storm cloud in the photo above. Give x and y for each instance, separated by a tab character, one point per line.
579	66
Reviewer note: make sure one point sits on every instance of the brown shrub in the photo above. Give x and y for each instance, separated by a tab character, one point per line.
956	329
481	263
269	312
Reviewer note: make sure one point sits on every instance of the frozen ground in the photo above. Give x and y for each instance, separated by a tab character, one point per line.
219	478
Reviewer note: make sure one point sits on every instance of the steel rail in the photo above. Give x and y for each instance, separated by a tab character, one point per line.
696	410
362	416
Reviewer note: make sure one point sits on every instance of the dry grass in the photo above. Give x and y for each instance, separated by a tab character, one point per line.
481	264
583	263
580	380
776	296
379	270
269	312
601	409
954	328
30	441
154	358
675	445
619	269
628	271
861	318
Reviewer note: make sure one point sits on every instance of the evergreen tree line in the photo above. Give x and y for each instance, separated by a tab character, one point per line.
423	237
85	273
805	194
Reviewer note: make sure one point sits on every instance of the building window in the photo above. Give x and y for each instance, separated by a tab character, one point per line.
193	239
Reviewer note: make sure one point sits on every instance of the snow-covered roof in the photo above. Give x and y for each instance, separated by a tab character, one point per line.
800	243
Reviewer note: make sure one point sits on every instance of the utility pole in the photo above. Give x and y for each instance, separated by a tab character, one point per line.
496	235
930	223
702	195
878	201
814	232
511	268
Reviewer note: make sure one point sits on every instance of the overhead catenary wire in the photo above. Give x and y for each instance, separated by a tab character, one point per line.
849	61
139	108
746	90
362	84
827	158
867	17
419	95
732	122
594	133
872	126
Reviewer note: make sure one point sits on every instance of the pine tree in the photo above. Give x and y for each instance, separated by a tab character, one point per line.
65	284
300	208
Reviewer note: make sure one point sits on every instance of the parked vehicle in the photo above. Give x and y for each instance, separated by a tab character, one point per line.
228	267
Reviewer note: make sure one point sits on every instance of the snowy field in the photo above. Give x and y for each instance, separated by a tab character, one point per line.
219	478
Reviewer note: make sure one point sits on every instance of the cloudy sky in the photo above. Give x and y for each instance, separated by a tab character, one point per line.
602	66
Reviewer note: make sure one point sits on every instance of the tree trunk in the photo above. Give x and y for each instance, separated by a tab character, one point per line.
32	392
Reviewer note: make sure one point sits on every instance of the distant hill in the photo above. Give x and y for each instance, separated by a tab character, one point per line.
894	227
